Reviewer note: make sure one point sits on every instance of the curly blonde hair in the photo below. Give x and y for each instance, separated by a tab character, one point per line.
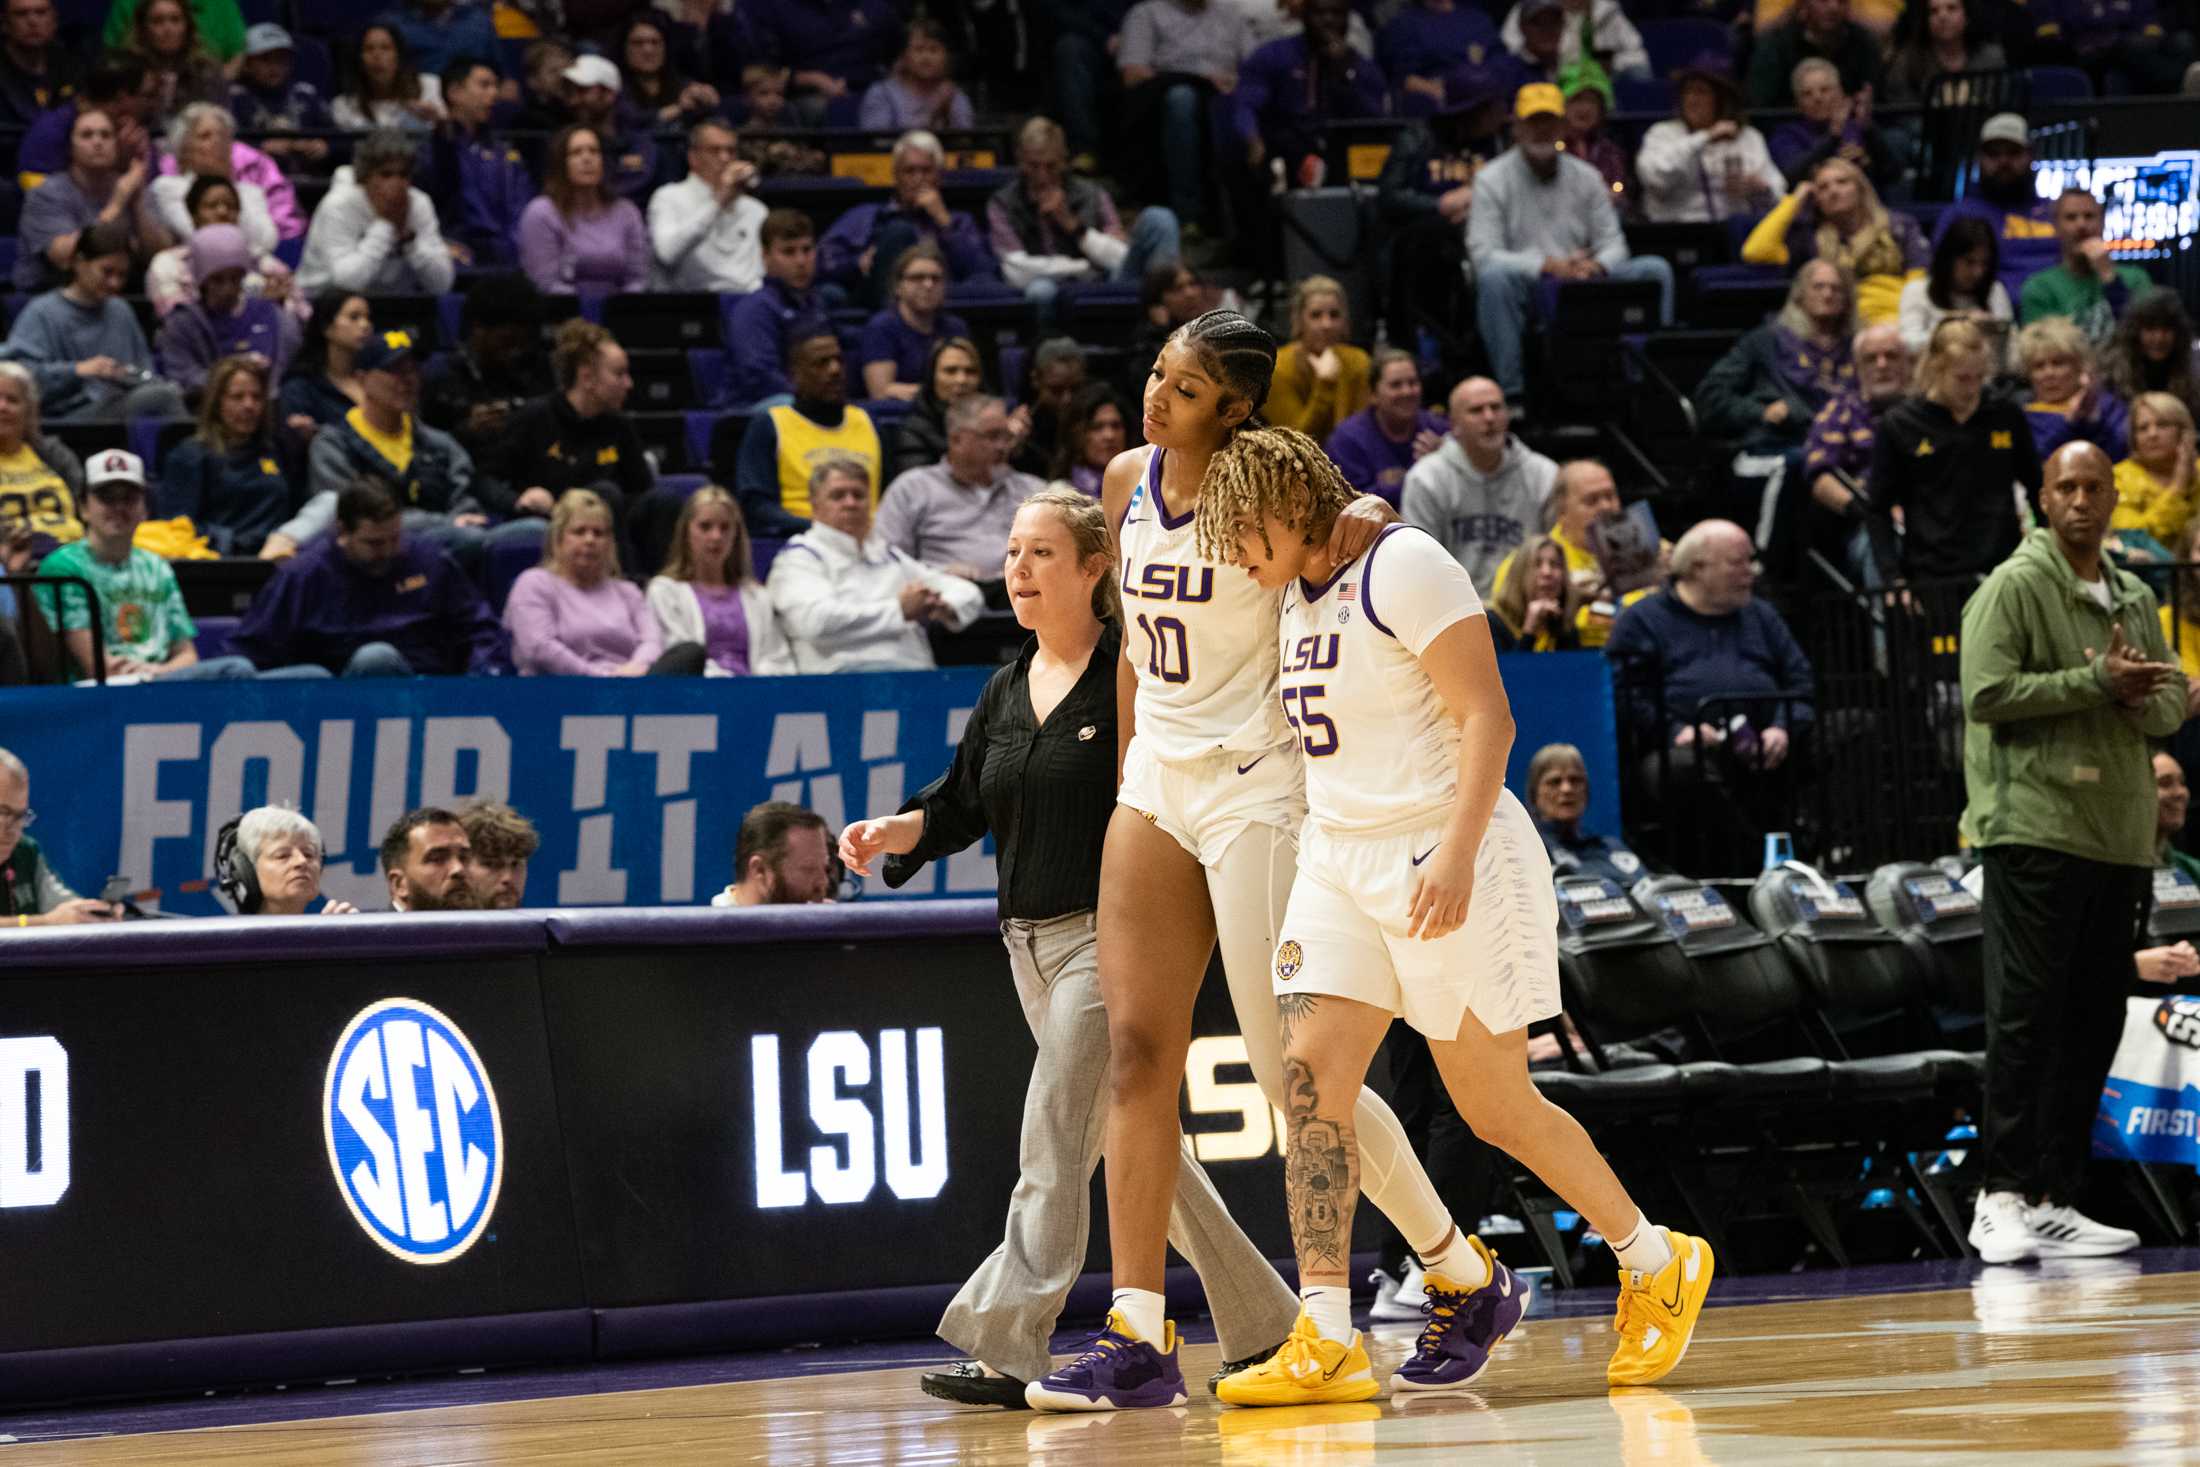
1267	471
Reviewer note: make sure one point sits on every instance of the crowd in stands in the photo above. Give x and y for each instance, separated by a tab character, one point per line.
376	290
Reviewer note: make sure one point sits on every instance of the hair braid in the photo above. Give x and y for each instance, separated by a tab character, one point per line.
1236	353
1267	471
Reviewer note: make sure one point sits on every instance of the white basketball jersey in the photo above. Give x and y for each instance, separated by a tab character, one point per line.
1201	636
1382	752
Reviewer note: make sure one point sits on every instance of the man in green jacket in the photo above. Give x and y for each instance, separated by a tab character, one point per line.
2065	680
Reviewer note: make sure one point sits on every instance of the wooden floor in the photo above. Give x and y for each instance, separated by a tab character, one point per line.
2072	1362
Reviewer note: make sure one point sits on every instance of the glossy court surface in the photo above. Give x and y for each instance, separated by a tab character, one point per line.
2094	1361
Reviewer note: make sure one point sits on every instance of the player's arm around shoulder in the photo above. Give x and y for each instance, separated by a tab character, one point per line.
1116	486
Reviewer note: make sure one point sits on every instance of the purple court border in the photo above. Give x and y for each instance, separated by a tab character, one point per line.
373	1397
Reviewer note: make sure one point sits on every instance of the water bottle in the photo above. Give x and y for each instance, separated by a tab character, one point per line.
1779	849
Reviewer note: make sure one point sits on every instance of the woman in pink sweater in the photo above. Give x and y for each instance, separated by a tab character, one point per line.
576	616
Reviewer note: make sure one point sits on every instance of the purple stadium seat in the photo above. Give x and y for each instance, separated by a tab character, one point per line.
700	425
1672	44
214	634
1643	94
765	549
505	561
707	368
2059	84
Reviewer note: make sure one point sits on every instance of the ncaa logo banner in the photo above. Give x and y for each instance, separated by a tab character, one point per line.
2150	1107
413	1133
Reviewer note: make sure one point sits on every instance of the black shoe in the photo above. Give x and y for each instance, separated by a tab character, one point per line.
1232	1367
966	1384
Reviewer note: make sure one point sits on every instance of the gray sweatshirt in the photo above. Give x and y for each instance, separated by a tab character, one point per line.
1520	219
54	333
1480	518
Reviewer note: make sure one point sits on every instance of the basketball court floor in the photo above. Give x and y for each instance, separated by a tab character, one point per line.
2074	1362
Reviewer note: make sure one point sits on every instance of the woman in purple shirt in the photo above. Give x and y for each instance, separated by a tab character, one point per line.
1093	433
579	234
920	91
1379	443
576	616
899	340
709	593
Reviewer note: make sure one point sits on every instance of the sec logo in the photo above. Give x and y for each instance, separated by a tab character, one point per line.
413	1132
1288	958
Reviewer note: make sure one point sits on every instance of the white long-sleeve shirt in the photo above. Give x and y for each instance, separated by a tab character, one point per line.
350	247
1683	174
1916	316
253	216
700	246
839	599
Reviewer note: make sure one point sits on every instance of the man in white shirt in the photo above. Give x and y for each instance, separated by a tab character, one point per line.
705	229
850	601
375	233
955	515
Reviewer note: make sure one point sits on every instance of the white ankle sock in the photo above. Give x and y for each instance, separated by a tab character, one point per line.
1644	1249
1458	1261
1330	1307
1144	1313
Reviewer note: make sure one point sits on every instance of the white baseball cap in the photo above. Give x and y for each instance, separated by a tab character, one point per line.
592	71
114	466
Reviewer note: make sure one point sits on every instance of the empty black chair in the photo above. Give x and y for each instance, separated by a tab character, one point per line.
663	383
2175	913
1940	921
665	320
1869	990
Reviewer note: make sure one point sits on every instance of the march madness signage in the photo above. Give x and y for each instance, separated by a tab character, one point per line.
2150	1108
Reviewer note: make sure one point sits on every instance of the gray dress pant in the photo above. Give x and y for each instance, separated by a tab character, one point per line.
1005	1314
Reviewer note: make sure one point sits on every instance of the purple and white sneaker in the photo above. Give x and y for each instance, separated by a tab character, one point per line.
1117	1372
1463	1327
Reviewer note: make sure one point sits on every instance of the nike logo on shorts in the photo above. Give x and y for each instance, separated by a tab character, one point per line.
1247	768
1417	860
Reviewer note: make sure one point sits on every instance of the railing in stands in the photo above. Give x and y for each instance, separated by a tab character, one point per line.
44	652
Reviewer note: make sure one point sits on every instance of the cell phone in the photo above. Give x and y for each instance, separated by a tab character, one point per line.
116	890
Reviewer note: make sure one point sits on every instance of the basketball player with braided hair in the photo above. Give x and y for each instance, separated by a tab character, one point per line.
1422	891
1200	848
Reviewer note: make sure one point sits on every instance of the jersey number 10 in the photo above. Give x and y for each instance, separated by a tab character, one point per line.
1161	633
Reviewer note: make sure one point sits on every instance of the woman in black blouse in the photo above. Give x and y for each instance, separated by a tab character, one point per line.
1036	769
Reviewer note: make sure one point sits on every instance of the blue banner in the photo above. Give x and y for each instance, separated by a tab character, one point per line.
2150	1107
637	785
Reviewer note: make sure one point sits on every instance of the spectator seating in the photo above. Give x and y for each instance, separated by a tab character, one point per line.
1673	44
665	319
1819	1064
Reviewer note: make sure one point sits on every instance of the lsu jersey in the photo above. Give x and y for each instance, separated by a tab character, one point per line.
1201	636
1382	751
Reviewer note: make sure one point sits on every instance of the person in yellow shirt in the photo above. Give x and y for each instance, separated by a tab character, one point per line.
1321	378
2158	487
41	479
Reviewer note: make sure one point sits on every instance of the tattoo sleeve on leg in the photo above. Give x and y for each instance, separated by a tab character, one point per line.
1321	1175
1290	1009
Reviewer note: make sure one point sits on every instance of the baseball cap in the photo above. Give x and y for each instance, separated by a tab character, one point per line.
1538	99
385	351
2005	127
592	71
114	466
267	36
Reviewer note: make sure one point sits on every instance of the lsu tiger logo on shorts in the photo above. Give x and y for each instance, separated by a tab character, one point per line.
1288	958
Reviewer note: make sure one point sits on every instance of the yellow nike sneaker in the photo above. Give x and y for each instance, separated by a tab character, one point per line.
1658	1313
1307	1370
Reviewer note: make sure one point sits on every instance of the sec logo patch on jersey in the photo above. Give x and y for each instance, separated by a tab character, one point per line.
1288	959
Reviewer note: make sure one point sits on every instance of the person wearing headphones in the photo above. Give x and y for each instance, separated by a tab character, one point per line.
267	863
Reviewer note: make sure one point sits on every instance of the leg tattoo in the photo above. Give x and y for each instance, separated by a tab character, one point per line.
1321	1176
1290	1009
